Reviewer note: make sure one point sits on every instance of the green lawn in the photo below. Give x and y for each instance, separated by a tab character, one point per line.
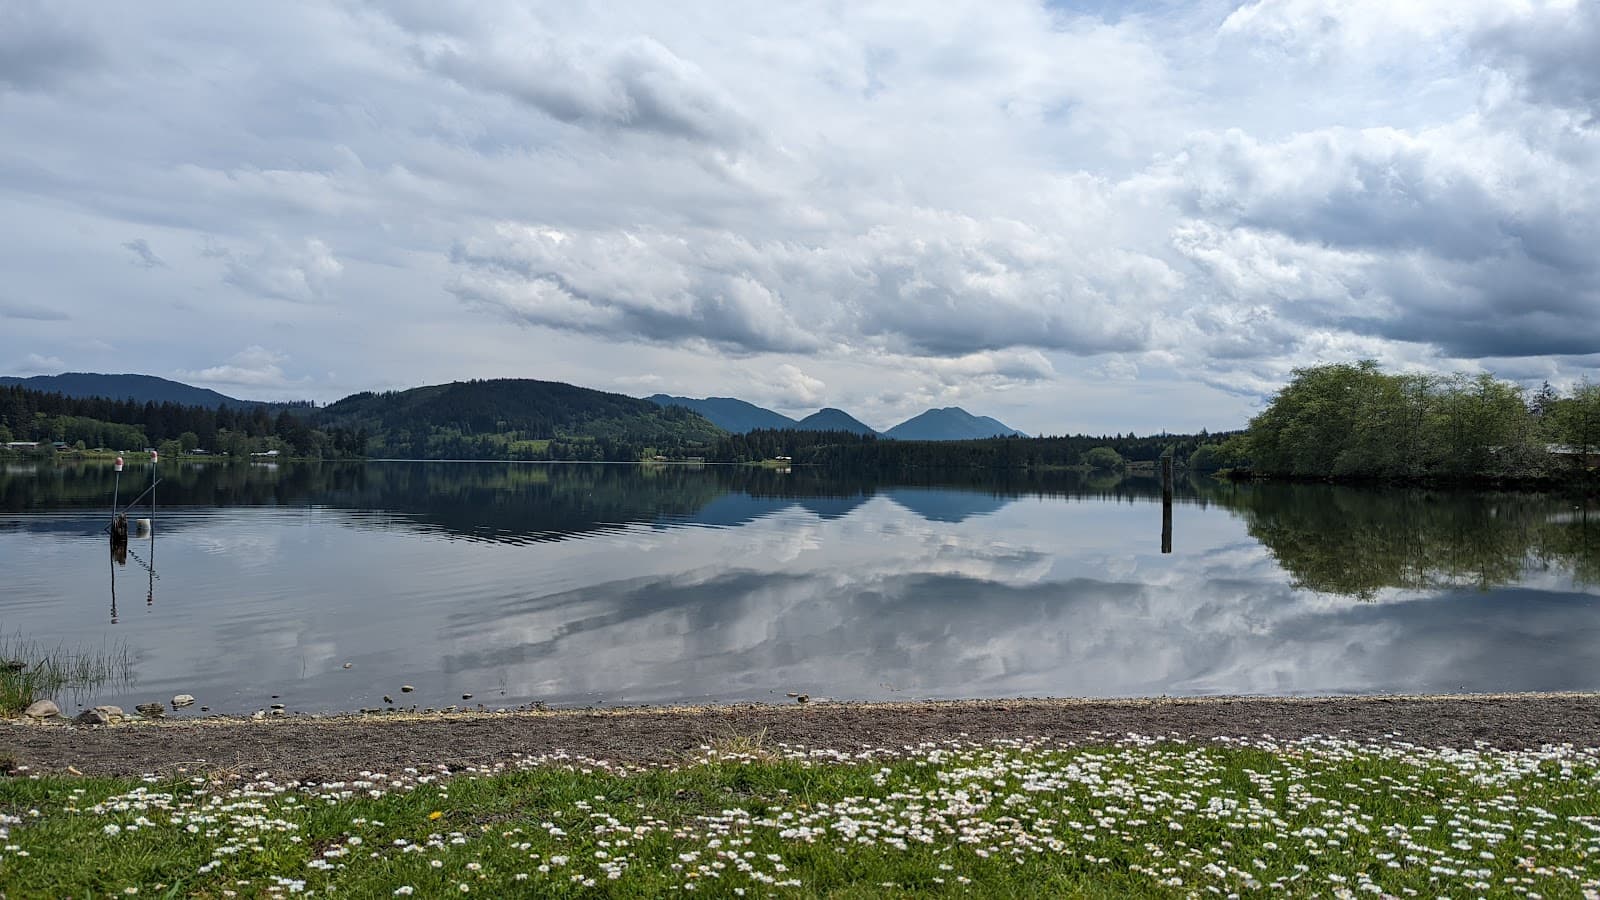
1137	817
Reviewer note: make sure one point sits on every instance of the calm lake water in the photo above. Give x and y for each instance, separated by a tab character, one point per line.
591	584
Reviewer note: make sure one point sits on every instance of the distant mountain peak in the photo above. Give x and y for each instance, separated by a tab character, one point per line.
728	413
833	419
950	423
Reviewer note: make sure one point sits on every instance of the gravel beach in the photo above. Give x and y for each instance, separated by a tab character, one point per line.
307	747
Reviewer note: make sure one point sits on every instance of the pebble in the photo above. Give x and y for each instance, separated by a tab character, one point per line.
349	665
42	709
406	688
466	696
182	700
387	698
151	710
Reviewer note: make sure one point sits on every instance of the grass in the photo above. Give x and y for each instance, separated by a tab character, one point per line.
1135	818
30	671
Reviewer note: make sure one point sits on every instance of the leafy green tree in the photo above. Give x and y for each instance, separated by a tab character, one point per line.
1577	419
188	441
1352	420
1103	458
1208	458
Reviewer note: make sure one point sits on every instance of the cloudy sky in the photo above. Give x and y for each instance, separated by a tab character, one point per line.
1095	216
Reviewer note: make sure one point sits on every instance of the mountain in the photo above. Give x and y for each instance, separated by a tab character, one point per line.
518	418
139	388
830	419
727	413
950	424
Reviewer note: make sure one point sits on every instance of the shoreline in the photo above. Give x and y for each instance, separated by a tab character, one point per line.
338	745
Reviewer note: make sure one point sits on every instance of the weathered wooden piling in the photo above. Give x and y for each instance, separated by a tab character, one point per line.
119	530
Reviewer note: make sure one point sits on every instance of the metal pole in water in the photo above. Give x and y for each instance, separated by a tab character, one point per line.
154	459
116	488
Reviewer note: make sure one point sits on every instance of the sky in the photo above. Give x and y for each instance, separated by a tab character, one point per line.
1095	217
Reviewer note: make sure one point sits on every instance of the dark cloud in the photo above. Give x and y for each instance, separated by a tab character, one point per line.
14	309
623	287
143	255
636	85
1552	52
1399	237
38	49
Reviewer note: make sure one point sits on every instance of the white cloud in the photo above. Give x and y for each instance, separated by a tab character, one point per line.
34	364
300	273
790	388
985	203
254	366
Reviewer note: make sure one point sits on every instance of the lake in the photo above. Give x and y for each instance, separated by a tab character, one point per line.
576	585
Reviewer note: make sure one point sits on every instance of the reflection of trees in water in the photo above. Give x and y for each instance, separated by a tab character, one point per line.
1344	540
521	502
1357	541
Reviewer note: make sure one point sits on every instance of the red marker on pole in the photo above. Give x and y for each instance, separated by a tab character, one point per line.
154	456
119	464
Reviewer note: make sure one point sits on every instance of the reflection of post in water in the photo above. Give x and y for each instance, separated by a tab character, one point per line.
1166	502
119	557
150	598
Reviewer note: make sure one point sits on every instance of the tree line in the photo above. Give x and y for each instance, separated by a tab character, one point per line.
845	450
1353	420
96	422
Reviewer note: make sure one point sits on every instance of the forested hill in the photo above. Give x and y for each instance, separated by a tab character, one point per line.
138	388
101	422
513	418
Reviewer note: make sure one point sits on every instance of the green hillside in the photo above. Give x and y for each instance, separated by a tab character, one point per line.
513	418
138	388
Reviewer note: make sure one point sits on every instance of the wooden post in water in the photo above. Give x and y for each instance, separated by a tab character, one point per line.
1166	503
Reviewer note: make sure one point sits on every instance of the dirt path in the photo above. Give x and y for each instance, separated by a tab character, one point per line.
329	747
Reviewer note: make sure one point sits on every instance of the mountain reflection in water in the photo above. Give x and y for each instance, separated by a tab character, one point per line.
587	583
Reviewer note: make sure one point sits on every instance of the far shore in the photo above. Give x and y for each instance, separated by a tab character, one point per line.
334	746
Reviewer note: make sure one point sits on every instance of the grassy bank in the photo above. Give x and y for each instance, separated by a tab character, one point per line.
30	671
1137	817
